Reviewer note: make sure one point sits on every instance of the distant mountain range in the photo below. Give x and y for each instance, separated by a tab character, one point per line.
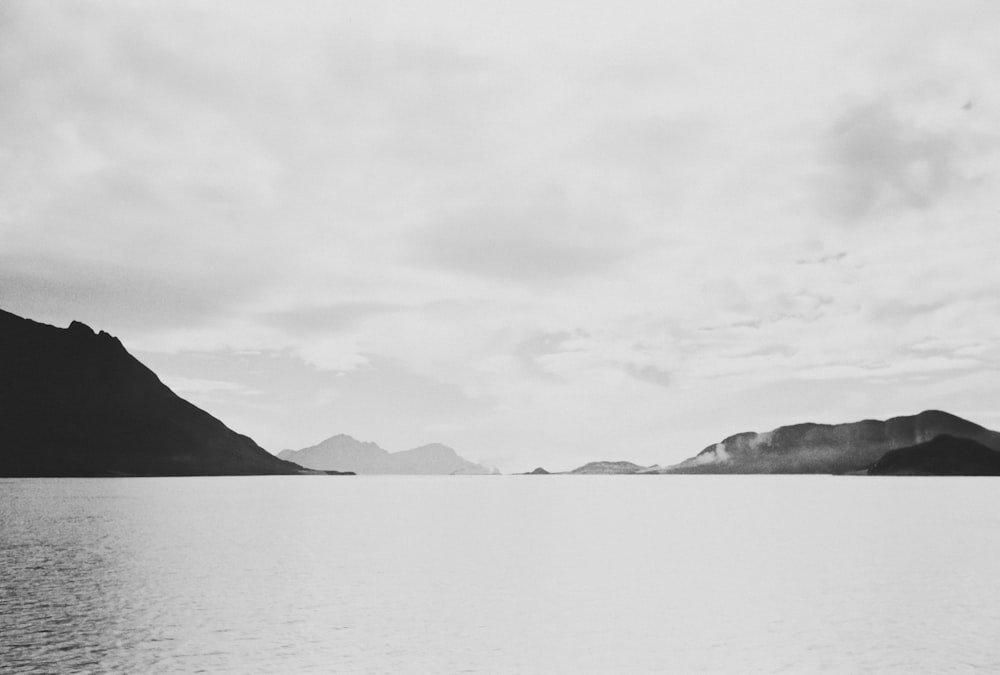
830	448
930	443
344	453
75	403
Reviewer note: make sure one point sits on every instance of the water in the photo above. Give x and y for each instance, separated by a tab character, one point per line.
482	574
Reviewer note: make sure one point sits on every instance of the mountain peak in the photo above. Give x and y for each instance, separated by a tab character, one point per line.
77	403
341	438
942	416
81	328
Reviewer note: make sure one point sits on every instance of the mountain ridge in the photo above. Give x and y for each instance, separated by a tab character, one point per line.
75	402
828	448
345	453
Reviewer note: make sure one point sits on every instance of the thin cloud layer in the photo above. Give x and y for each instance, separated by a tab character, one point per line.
542	242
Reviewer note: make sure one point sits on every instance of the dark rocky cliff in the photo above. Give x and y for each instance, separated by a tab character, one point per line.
75	403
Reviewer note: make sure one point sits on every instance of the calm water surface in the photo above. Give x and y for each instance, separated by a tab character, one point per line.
484	574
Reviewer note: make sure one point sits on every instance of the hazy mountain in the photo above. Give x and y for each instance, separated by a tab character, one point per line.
608	467
76	403
436	459
829	448
941	456
343	453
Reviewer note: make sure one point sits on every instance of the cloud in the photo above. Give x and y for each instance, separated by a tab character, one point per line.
881	161
650	374
899	311
543	241
536	346
329	318
898	369
658	147
187	386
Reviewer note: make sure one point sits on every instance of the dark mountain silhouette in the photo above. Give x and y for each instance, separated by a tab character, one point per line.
608	467
539	471
943	455
829	448
344	453
76	403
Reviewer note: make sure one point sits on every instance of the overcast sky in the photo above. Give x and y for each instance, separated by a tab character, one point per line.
541	232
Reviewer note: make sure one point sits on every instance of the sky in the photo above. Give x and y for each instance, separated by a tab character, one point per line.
542	233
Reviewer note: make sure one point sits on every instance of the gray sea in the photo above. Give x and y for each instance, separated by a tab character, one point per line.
500	574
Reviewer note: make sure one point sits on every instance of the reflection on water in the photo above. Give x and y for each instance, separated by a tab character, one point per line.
499	574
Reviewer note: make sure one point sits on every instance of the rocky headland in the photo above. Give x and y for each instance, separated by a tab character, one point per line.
75	403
